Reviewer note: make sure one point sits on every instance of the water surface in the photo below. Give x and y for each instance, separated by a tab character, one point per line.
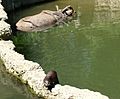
85	52
11	87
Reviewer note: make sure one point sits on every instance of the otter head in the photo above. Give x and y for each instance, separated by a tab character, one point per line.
51	80
68	11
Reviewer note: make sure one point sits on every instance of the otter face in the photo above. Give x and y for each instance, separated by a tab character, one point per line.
51	80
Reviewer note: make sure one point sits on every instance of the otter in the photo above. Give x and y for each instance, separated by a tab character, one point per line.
51	80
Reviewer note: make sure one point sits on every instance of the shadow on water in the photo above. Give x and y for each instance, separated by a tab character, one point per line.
85	53
12	88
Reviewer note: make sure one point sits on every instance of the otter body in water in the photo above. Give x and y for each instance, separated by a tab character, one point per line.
51	80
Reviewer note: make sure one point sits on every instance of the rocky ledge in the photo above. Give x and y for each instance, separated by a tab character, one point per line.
4	27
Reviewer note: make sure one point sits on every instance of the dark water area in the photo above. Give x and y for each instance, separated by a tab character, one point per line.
12	88
85	52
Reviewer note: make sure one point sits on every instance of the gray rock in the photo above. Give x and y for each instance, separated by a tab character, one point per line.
3	14
4	28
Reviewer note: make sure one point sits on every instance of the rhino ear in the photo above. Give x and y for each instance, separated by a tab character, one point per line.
57	7
68	10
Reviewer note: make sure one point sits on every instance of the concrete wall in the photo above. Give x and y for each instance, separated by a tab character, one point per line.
13	4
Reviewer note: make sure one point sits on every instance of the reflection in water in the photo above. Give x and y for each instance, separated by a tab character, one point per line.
107	11
11	87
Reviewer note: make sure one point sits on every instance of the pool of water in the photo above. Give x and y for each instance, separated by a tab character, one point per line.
11	87
85	52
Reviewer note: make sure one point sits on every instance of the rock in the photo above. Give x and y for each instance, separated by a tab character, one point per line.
4	28
69	92
3	14
1	7
7	45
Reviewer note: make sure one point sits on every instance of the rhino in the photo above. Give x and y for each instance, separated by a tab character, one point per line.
44	20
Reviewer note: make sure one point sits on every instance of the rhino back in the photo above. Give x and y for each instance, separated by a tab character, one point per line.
41	20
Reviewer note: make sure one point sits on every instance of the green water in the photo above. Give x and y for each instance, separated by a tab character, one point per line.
85	52
11	87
